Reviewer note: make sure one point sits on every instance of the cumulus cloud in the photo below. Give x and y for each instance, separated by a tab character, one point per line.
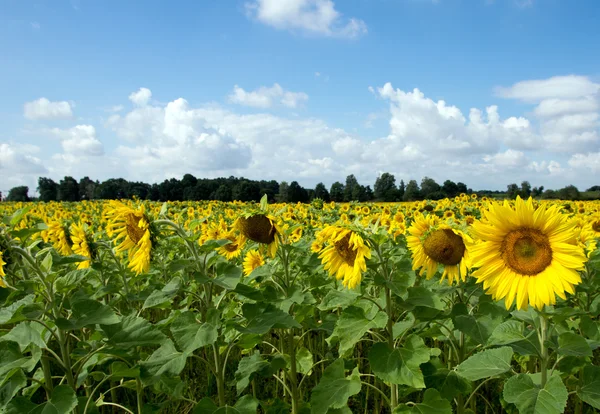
141	97
80	140
266	97
312	16
44	109
588	162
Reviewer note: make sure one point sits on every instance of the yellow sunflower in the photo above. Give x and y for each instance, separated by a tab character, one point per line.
526	253
234	248
345	254
59	236
2	274
252	260
261	228
435	244
81	244
130	228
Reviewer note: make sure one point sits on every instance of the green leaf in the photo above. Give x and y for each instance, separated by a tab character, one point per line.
590	390
400	327
88	312
163	210
11	386
486	364
229	275
190	334
245	405
432	403
262	317
264	203
12	358
334	389
352	325
160	297
574	345
469	325
529	398
133	331
27	333
7	313
17	216
421	296
401	365
62	401
165	360
246	367
512	333
304	360
338	299
449	383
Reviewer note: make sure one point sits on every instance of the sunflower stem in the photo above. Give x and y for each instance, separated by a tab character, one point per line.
543	331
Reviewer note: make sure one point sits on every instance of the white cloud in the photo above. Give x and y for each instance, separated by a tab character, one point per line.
587	162
266	97
18	159
141	97
507	159
43	108
312	16
80	140
562	87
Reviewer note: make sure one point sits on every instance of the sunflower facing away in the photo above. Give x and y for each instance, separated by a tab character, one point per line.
81	244
526	254
130	228
252	260
261	228
435	244
345	254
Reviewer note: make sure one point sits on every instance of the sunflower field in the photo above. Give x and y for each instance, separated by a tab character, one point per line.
461	305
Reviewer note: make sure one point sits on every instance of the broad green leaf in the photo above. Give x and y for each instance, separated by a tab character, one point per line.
486	364
246	367
88	312
531	399
401	365
304	360
432	403
574	345
245	405
26	333
590	390
133	331
17	216
449	383
189	334
352	325
20	405
160	297
334	389
400	327
513	333
229	275
11	386
62	401
120	370
7	313
12	358
470	326
421	296
262	317
165	360
338	299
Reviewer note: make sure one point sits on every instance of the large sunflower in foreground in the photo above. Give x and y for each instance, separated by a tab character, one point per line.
526	254
345	254
131	231
435	244
261	228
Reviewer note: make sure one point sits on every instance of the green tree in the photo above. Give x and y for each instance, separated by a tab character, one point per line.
462	188
336	193
450	188
223	193
351	184
68	189
429	187
385	187
412	191
18	194
246	191
525	189
87	188
47	188
512	191
401	190
321	192
282	196
569	192
296	193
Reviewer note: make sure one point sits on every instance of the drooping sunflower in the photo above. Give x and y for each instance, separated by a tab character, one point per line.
81	244
2	274
59	236
234	248
252	261
435	244
261	228
345	254
131	231
526	254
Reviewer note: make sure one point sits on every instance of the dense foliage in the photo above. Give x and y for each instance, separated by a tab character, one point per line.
236	307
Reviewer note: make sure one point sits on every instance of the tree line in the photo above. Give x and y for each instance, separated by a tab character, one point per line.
243	189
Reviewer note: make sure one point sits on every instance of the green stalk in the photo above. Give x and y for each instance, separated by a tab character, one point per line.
543	332
390	332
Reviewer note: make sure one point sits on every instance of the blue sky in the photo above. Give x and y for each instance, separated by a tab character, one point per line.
298	89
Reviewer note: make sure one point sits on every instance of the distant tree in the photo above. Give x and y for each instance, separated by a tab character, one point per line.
87	188
549	195
512	191
18	194
525	191
569	192
139	190
0	196
461	188
429	187
450	188
246	191
369	193
270	188
282	196
359	193
47	189
594	188
68	189
349	188
153	194
188	181
311	194
412	191
336	193
385	187
401	189
297	193
223	193
537	191
321	192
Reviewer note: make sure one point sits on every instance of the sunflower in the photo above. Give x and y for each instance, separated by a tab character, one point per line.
526	253
81	244
433	244
345	254
59	236
2	274
252	260
261	228
132	230
234	248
